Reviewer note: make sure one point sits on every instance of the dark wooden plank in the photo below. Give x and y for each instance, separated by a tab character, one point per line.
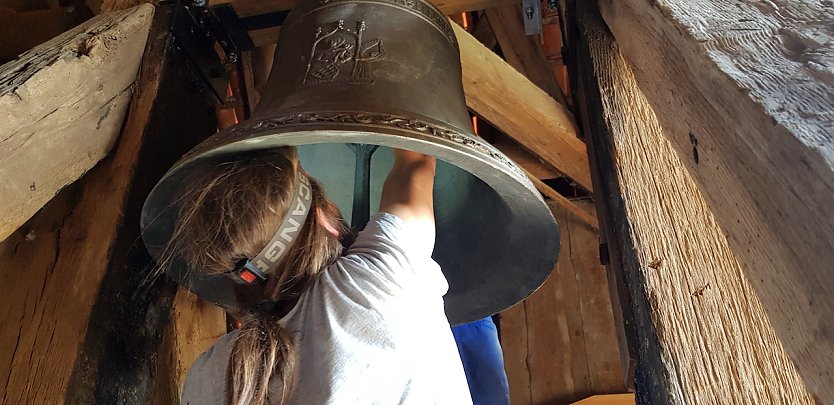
21	31
598	324
560	344
168	116
636	333
558	361
521	51
482	31
514	343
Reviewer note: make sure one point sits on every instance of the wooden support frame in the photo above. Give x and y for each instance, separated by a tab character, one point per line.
702	334
521	110
743	92
80	325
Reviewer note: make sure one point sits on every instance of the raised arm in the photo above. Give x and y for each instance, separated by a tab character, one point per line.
407	192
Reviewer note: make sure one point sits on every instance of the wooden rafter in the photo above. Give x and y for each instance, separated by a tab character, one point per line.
522	51
521	110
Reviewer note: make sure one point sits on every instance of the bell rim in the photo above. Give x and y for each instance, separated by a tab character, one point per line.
508	181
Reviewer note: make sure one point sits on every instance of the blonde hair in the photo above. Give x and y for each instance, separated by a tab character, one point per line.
228	214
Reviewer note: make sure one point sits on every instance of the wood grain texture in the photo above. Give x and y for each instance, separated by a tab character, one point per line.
521	51
716	344
245	8
749	86
53	267
75	327
521	110
549	337
62	105
195	325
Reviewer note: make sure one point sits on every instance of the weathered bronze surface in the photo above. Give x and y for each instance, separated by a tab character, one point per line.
387	73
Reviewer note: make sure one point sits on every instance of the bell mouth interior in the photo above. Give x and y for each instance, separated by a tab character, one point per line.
496	239
470	216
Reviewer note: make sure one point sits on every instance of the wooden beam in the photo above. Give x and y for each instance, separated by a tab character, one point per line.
62	105
76	326
246	8
521	51
532	164
704	336
744	92
55	264
521	110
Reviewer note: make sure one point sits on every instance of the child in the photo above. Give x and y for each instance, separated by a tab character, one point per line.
364	326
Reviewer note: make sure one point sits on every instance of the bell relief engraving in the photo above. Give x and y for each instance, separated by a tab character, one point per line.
342	55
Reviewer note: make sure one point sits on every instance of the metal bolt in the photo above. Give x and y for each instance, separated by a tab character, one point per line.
529	12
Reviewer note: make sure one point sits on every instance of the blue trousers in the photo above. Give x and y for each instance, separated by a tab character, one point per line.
483	362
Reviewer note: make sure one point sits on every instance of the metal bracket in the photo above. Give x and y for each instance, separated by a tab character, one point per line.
532	15
192	31
198	28
362	185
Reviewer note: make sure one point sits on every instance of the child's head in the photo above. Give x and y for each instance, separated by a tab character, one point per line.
229	213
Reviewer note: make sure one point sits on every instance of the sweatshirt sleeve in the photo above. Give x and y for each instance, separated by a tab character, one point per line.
394	254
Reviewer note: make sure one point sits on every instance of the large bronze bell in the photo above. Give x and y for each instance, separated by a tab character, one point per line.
351	79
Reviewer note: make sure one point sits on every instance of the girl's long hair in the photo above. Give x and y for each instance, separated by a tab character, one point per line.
229	214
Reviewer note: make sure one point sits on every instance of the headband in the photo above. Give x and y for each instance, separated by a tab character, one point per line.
257	268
